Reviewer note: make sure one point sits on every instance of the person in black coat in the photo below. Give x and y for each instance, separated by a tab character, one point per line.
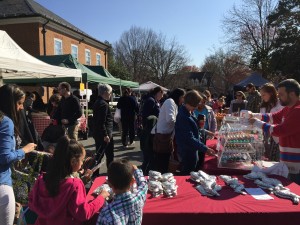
69	110
151	105
103	125
38	103
146	144
129	108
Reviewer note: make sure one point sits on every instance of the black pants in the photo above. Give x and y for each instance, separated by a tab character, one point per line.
161	162
200	163
147	162
104	148
127	127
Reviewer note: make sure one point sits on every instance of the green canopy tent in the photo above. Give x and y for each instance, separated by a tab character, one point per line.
104	72
68	61
88	76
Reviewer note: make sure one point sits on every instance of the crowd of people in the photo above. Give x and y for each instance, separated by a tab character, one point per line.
174	126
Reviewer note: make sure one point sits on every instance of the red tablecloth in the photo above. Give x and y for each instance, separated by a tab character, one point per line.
189	207
211	163
40	123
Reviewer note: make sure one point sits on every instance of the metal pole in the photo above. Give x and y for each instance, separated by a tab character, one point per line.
120	88
86	108
1	78
86	101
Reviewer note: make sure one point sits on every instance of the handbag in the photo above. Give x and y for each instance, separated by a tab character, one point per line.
23	178
117	116
162	143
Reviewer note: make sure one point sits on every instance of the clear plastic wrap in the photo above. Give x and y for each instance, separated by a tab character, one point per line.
239	145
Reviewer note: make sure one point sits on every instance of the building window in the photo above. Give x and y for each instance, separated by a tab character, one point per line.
58	49
98	59
74	51
87	57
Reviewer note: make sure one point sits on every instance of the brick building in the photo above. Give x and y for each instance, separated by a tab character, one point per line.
41	32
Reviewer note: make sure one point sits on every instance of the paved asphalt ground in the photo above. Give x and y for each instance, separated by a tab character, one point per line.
133	154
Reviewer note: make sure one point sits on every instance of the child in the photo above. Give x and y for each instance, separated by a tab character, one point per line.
126	207
201	119
59	196
219	105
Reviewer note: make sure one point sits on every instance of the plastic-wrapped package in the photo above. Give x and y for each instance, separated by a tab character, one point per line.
273	185
107	188
154	175
208	185
286	194
234	184
155	188
162	184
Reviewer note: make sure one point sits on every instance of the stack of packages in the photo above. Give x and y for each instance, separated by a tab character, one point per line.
169	185
162	184
154	184
207	184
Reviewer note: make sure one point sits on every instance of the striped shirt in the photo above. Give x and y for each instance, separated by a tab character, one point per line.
127	208
285	124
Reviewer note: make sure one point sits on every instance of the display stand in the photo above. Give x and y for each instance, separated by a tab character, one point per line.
239	144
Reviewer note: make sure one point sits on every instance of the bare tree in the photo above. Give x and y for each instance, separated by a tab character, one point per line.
247	31
165	59
148	55
132	49
226	69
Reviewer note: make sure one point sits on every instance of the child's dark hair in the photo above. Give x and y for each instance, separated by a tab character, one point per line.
55	98
120	174
60	166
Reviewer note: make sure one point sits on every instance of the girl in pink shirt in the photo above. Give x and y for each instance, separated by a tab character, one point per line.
59	197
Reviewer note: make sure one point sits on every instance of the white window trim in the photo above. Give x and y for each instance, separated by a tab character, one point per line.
87	50
100	59
76	48
59	40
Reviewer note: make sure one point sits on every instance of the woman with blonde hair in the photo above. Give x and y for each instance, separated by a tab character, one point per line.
210	102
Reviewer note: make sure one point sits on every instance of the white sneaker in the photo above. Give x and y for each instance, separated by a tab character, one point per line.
132	144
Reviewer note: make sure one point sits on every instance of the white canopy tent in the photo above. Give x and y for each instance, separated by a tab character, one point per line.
18	65
148	86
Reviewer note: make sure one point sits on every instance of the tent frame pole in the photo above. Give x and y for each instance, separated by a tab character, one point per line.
86	108
120	88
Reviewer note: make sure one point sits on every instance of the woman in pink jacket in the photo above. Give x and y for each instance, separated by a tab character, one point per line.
59	196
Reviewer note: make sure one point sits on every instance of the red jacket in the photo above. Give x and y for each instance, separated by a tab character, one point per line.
285	124
68	207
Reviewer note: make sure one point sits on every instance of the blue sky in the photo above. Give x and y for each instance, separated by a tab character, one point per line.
196	24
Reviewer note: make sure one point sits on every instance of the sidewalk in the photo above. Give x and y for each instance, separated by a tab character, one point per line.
133	154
